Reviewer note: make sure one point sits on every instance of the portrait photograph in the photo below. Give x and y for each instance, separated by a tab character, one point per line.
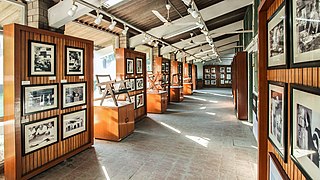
213	70
139	65
74	123
74	61
221	81
42	59
213	82
131	84
129	66
222	69
139	83
133	100
306	33
39	134
228	69
277	118
305	121
207	70
277	39
222	76
39	98
207	82
139	100
228	76
207	76
213	76
73	94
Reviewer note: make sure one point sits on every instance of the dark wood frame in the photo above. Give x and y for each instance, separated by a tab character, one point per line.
66	61
134	79
62	94
278	166
126	66
86	126
23	88
30	58
139	59
136	84
310	90
285	119
287	41
137	98
292	28
32	122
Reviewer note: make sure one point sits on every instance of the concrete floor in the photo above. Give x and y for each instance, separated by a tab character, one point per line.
199	138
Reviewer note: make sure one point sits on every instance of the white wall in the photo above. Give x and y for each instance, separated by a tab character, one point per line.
199	70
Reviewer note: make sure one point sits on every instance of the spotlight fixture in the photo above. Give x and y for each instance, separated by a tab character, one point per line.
98	20
125	30
150	42
73	9
156	44
205	32
200	25
113	24
193	13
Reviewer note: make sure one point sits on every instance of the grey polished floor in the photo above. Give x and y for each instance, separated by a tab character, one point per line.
199	138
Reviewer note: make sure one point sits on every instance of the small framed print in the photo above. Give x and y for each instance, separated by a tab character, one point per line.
74	64
139	84
222	69
213	76
207	76
222	76
277	117
221	81
213	82
131	84
305	133
39	98
39	134
213	70
276	172
133	100
129	66
139	100
139	65
207	82
206	70
277	39
74	94
42	59
228	69
306	33
228	76
74	123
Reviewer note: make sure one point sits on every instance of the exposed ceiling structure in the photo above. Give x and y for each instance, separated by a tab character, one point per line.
10	12
223	21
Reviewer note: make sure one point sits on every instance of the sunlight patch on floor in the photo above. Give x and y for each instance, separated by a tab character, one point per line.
203	108
105	173
210	113
202	141
247	123
170	127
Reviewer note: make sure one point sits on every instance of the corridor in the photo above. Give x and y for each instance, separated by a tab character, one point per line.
199	138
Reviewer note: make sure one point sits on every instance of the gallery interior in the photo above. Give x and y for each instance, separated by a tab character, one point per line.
160	89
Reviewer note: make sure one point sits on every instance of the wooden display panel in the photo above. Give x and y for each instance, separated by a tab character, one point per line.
242	85
157	102
187	88
176	93
218	77
160	66
15	71
194	76
121	55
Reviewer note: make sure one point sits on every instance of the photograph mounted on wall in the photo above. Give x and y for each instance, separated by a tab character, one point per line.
277	117
207	82
74	123
42	59
207	76
213	76
207	70
139	83
39	98
139	65
306	33
305	137
74	64
131	84
139	100
213	70
276	40
133	100
276	172
222	76
222	69
228	69
73	94
129	66
213	82
39	134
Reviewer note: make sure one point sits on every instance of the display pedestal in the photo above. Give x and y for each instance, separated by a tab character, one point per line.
113	122
157	102
176	93
187	88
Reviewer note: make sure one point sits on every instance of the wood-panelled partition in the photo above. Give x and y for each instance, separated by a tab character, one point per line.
302	76
16	56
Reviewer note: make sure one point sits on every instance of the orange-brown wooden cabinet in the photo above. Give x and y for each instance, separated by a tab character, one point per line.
113	122
176	93
187	88
157	102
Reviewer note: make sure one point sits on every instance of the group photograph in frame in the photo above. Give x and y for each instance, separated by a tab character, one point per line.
305	135
129	66
277	39
74	123
139	65
139	100
39	134
276	172
306	33
277	117
42	59
39	98
73	94
139	84
74	64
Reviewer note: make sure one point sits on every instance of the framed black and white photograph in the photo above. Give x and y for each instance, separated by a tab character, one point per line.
213	76
277	117
207	82
222	76
213	82
129	66
74	94
139	100
131	84
228	69
139	65
221	81
276	172
222	69
42	59
277	39
305	134
213	70
207	76
133	100
306	33
139	83
74	64
39	98
228	76
74	123
206	70
39	134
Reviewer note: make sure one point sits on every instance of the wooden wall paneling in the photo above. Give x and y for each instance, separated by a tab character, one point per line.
194	76
16	39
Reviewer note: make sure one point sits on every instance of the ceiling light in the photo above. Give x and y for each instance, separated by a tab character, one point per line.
156	44
200	25
150	42
205	32
73	9
193	13
113	24
125	30
98	20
